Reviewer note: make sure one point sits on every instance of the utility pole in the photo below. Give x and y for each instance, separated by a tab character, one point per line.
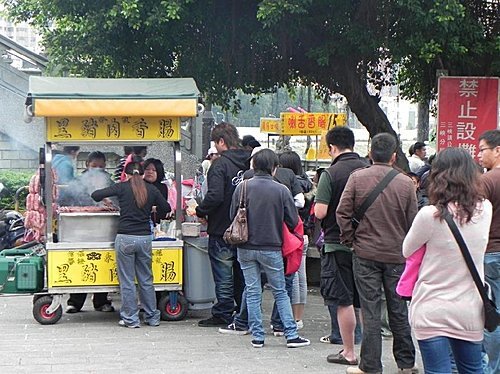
208	122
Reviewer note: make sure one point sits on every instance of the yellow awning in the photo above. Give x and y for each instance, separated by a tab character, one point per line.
124	107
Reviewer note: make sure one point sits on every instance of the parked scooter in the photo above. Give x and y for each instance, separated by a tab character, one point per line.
11	229
11	225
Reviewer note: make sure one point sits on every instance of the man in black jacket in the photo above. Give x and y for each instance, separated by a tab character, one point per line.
223	177
337	279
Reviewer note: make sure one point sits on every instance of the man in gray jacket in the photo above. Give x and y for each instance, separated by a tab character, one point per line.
268	205
378	260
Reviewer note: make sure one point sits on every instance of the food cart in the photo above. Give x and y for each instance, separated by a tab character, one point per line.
80	255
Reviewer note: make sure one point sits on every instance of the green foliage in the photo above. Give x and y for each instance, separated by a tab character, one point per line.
13	180
258	45
460	36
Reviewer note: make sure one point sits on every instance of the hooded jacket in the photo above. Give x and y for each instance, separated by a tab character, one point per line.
63	166
223	177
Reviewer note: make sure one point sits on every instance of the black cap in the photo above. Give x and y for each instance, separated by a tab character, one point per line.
249	141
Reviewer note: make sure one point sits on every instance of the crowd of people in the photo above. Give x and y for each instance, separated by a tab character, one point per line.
373	217
377	224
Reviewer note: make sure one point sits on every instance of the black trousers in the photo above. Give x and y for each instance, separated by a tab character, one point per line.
78	299
370	276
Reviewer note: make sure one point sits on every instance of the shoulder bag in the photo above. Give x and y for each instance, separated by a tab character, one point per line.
491	315
237	232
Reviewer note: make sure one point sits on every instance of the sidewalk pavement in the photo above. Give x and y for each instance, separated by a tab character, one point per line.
92	342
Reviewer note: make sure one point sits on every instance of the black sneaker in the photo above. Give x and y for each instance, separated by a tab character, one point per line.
278	331
297	342
212	322
257	343
232	329
105	308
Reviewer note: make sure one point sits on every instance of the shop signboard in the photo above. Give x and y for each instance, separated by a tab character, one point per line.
97	267
124	128
309	123
269	125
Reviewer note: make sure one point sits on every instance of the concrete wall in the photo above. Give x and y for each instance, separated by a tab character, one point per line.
16	156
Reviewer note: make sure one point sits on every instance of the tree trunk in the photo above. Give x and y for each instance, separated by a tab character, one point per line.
423	121
366	107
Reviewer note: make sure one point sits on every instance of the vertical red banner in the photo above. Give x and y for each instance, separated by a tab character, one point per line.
467	107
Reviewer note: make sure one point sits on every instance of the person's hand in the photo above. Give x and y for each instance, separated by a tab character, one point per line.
107	202
191	211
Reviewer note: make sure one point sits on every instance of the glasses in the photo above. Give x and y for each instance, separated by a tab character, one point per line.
481	150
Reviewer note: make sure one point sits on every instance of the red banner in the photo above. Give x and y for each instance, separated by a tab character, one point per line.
467	107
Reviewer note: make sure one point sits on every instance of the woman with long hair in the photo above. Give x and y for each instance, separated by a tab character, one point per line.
133	244
446	308
154	173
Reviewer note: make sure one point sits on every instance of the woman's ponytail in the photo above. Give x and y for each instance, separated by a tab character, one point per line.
136	171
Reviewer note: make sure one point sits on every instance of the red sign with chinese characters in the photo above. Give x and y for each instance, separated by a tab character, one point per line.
467	107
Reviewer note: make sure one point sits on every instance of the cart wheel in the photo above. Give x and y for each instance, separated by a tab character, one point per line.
170	312
40	311
36	297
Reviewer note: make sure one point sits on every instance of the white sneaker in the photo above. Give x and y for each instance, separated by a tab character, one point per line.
123	324
71	309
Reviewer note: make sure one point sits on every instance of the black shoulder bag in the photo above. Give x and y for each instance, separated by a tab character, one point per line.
360	212
491	315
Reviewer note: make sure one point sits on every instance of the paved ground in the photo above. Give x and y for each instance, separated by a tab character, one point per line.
92	342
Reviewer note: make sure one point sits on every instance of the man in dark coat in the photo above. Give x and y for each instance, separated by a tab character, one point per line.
223	177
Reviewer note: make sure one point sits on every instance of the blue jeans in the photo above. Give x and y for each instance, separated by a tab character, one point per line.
252	261
275	316
491	342
227	278
133	259
370	276
241	318
436	358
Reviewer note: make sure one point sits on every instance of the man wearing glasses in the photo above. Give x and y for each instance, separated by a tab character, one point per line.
489	157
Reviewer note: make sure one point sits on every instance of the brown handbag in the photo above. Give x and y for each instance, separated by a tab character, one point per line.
237	232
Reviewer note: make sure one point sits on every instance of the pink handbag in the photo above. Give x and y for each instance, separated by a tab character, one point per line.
409	277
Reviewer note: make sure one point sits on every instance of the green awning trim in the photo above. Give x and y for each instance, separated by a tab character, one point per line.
107	88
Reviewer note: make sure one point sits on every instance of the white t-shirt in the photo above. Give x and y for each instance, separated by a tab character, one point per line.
415	163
